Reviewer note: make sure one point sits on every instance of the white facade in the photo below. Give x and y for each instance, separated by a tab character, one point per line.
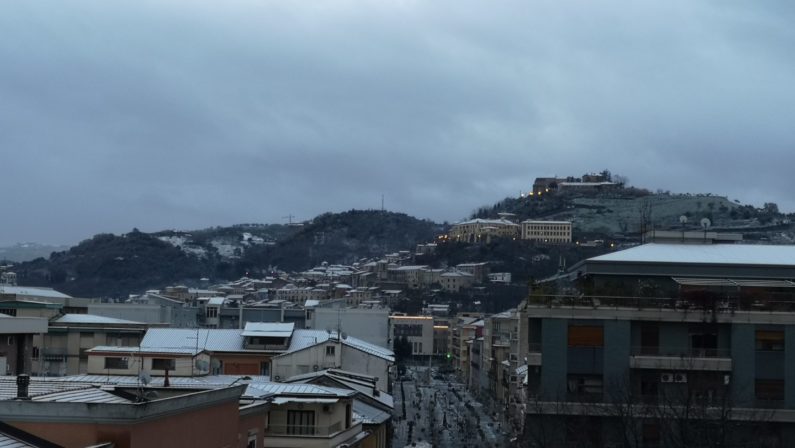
331	354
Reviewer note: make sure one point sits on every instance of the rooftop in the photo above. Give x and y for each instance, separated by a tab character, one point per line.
219	340
32	292
734	254
92	319
268	329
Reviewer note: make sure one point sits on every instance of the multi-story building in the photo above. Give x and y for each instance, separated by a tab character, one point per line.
462	331
547	232
418	330
483	230
692	345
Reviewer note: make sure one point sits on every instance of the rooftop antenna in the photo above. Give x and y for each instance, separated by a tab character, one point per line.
705	224
289	219
683	221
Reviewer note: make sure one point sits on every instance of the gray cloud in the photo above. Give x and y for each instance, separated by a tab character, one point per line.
175	114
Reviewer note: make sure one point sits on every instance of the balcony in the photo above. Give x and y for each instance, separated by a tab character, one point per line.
686	358
312	436
773	310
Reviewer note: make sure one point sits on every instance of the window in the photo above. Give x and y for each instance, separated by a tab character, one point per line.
586	336
585	385
408	330
163	364
212	312
769	390
770	340
301	422
8	311
330	350
116	363
35	353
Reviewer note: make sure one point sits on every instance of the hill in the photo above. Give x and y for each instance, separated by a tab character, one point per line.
624	212
117	265
344	238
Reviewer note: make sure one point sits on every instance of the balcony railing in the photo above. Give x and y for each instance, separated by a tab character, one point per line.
692	303
303	430
681	352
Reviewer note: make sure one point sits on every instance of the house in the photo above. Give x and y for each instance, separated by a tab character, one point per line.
373	407
314	350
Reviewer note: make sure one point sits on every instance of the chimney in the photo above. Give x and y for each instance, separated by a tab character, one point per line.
23	381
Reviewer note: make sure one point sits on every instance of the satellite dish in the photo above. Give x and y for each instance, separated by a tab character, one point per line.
683	219
144	377
202	365
705	223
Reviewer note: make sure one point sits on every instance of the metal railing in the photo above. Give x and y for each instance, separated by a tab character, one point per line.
681	352
691	303
304	430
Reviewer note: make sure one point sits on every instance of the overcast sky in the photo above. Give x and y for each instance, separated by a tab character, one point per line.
186	114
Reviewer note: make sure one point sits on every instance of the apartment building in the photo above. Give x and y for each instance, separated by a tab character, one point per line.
418	330
702	350
547	232
463	329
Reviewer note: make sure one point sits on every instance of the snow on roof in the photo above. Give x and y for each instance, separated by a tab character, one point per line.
739	254
411	268
307	338
268	329
311	303
219	340
456	274
541	221
216	301
33	292
501	222
370	415
268	389
136	350
89	394
91	319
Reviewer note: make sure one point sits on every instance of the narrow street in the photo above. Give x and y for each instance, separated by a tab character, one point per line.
440	414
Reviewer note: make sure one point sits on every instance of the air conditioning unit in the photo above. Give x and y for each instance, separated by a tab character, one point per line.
666	378
315	367
680	378
277	378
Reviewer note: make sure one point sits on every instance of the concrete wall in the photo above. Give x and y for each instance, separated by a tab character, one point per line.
554	349
370	325
743	351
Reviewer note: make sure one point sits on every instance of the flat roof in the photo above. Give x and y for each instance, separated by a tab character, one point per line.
734	254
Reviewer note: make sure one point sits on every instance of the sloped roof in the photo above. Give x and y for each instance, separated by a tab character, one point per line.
258	390
89	394
303	339
218	340
370	415
92	319
33	292
268	329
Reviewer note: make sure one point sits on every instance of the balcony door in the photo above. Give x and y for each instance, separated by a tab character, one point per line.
301	423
